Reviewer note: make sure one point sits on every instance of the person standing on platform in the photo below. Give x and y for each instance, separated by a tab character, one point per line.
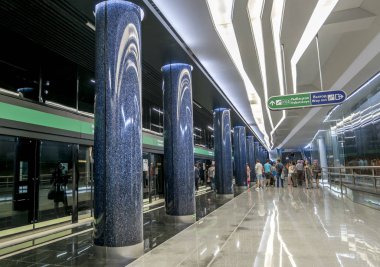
259	175
274	174
316	169
248	170
211	175
308	176
268	173
196	176
279	170
300	172
292	174
286	172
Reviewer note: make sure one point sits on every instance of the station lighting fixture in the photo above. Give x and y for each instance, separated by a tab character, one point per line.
321	12
157	110
197	135
255	11
221	15
198	129
210	128
90	25
277	15
197	105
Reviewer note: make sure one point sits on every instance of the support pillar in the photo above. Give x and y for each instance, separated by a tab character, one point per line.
179	143
222	148
118	226
322	157
251	156
240	156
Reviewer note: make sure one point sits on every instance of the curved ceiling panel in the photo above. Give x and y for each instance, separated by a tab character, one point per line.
255	49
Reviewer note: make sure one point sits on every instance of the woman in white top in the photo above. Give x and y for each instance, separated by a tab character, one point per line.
292	174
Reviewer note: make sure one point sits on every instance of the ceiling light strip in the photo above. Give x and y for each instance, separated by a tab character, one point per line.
175	34
277	15
221	14
321	12
255	9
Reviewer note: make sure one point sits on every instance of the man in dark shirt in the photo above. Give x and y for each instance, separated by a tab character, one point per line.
279	168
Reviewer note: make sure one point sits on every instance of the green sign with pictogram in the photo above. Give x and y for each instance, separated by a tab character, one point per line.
306	100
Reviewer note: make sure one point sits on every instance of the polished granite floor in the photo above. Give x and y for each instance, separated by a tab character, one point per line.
277	227
78	250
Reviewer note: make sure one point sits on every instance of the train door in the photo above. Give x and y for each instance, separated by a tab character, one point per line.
26	179
153	184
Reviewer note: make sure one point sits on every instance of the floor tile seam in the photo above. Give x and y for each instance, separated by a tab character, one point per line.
195	225
321	228
306	212
44	244
192	225
232	233
194	250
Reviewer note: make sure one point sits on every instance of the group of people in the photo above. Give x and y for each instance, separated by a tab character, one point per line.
210	174
295	173
273	174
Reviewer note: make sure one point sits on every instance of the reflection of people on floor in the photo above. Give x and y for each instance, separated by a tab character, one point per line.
59	182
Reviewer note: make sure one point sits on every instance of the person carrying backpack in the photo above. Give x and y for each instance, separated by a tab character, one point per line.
279	169
267	172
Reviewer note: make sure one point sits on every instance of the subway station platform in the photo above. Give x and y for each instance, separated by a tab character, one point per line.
277	227
274	227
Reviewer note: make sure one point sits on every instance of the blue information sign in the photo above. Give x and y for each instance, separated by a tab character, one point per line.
327	98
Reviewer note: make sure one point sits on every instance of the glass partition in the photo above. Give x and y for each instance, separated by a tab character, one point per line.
55	185
85	182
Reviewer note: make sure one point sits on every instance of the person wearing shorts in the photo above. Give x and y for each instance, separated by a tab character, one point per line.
259	175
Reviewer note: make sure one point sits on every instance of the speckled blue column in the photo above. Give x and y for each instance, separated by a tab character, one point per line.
257	152
222	149
178	142
118	132
240	156
251	156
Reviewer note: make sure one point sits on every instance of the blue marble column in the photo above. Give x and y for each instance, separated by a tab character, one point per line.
240	156
118	213
251	156
257	152
222	149
178	143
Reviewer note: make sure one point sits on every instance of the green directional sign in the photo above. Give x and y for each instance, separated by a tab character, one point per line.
306	100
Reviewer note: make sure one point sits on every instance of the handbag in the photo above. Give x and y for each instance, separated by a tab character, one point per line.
51	193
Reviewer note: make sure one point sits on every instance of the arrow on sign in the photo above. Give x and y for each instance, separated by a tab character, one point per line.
272	103
339	96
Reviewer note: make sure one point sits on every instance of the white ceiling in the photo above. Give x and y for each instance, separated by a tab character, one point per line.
349	43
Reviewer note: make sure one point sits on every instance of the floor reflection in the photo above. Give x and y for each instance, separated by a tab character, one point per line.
79	251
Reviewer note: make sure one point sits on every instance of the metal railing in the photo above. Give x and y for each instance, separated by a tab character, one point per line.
364	177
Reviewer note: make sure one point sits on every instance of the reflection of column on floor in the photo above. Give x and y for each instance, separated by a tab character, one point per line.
251	156
240	156
222	147
118	136
178	142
